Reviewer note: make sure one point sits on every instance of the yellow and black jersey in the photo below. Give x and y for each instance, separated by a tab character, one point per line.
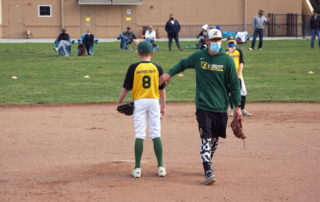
143	79
237	57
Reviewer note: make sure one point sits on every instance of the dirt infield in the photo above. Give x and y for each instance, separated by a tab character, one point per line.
85	153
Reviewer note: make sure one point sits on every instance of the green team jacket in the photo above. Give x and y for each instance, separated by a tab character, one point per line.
216	76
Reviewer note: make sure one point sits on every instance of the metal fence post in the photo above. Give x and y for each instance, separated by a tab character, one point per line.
303	25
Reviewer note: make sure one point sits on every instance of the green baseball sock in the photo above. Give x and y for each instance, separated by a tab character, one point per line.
138	149
157	146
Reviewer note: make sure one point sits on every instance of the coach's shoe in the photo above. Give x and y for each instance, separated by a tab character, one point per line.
136	173
231	112
250	49
260	48
245	113
162	171
210	177
56	49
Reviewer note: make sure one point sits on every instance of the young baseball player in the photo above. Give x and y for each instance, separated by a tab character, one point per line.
237	56
143	79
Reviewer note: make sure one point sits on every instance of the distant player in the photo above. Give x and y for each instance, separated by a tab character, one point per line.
143	79
237	56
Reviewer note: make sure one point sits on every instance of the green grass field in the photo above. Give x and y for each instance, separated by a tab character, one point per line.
279	73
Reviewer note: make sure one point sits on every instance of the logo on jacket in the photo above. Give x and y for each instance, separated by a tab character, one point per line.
211	67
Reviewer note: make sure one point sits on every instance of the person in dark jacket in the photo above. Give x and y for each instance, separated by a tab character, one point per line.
63	46
88	42
173	29
315	28
126	38
202	36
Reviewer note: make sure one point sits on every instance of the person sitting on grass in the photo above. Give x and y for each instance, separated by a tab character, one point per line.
202	37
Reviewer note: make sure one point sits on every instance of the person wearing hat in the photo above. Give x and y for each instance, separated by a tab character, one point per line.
150	36
216	76
143	79
202	37
126	38
63	46
173	28
237	56
258	26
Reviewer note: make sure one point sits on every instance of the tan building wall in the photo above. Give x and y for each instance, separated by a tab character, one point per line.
107	21
1	19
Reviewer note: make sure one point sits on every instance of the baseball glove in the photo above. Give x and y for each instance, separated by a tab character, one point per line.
126	109
236	126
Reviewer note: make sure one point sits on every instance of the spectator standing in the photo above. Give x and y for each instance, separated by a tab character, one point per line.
315	28
63	46
258	26
173	29
88	42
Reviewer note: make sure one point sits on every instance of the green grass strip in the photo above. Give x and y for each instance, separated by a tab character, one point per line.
279	73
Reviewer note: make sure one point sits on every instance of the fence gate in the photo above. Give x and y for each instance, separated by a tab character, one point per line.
283	24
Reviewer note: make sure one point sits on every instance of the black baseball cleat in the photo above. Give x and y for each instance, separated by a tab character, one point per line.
210	177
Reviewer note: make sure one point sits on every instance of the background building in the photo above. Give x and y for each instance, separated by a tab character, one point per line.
107	18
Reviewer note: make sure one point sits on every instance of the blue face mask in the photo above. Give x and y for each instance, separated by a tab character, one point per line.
215	46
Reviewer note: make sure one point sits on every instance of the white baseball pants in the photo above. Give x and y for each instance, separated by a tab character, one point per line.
243	90
143	108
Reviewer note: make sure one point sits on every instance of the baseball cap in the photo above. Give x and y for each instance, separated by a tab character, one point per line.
63	30
231	39
205	27
145	47
214	34
261	10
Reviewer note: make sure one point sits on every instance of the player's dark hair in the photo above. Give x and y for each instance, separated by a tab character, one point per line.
145	54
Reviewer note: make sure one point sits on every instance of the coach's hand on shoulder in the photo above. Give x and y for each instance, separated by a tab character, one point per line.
164	78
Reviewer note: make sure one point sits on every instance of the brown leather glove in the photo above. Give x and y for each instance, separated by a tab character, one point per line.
236	126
